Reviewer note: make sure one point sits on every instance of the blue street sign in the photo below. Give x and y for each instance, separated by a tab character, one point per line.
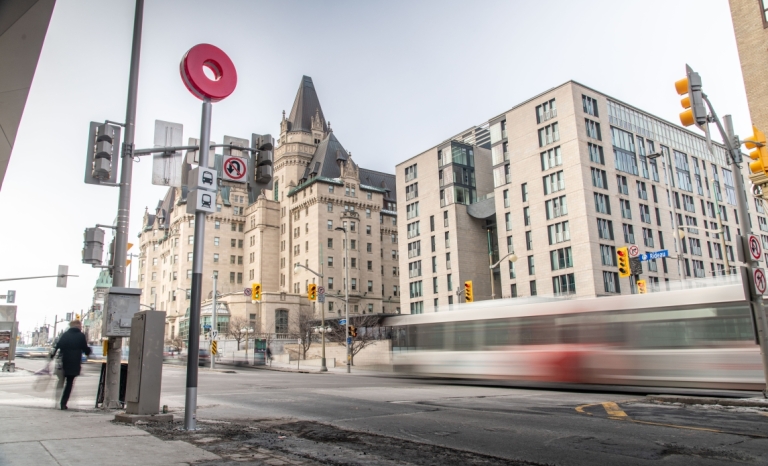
349	340
649	256
207	327
342	321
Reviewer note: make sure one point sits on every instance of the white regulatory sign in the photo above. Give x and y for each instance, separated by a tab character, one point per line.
634	251
235	169
755	248
760	283
214	334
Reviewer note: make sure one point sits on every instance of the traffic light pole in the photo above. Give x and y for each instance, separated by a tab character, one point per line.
214	323
112	376
193	346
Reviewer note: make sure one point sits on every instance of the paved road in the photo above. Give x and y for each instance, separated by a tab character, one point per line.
533	425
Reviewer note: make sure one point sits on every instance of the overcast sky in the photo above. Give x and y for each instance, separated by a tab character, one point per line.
393	77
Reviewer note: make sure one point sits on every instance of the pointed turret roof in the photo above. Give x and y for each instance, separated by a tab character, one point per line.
305	107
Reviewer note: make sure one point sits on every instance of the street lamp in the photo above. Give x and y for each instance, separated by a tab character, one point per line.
346	297
512	258
296	269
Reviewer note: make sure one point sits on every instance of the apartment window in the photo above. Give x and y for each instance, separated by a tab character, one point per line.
506	198
621	181
605	228
414	269
417	307
559	232
561	258
556	207
564	284
367	229
629	233
589	105
513	290
683	171
189	256
434	264
330	243
411	191
596	153
501	175
433	243
626	211
602	204
524	189
447	239
527	216
599	178
641	191
215	258
593	129
369	247
330	189
510	244
551	158
450	282
448	261
624	150
370	267
413	229
431	223
414	249
415	289
330	261
508	220
217	225
412	210
611	282
434	285
233	224
531	266
545	111
191	239
554	182
645	214
353	283
445	218
549	134
648	237
532	285
512	273
529	240
608	255
410	173
353	244
216	241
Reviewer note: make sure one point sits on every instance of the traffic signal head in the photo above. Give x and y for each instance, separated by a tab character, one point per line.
93	246
103	147
622	260
352	331
469	296
312	291
641	287
695	113
256	292
760	152
261	161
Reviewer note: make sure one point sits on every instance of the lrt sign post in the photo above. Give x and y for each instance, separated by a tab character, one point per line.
208	90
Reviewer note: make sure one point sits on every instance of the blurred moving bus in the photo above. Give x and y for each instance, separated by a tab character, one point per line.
702	337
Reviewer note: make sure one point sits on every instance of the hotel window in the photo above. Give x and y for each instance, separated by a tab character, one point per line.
549	134
593	129
559	232
524	190
608	255
596	153
589	105
554	182
561	259
411	191
621	181
602	204
412	210
531	266
626	211
551	158
546	111
410	172
564	284
557	207
599	178
611	282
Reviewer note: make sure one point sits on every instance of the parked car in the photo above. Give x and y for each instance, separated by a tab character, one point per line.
170	353
39	352
97	353
204	357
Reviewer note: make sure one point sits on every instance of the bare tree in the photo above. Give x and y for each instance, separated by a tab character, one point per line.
235	329
178	342
304	323
368	332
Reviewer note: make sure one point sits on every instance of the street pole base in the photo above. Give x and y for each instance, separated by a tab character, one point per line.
111	405
323	367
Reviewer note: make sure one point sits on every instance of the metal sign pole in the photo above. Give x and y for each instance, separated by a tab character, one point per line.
214	324
193	346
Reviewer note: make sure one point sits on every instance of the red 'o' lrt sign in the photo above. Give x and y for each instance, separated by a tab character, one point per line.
212	57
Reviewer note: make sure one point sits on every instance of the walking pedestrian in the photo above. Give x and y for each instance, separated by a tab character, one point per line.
72	345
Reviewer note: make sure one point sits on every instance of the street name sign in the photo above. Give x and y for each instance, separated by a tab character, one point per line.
649	256
342	321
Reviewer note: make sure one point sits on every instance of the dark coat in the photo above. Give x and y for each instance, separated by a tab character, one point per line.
72	345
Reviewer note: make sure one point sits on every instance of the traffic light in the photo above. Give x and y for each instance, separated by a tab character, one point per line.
256	292
261	169
93	246
622	258
760	154
10	298
641	287
68	316
103	147
352	331
312	291
77	316
469	296
695	113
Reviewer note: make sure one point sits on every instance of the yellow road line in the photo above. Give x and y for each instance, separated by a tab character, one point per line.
613	410
580	409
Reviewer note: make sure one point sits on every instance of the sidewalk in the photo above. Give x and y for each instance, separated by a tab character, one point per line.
45	436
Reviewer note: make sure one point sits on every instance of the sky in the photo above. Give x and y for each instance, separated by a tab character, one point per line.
393	77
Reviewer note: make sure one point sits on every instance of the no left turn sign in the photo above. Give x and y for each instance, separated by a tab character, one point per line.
234	169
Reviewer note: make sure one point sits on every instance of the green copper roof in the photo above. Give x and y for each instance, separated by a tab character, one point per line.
105	280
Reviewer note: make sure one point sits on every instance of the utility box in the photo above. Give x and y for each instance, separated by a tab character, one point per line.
145	363
8	330
120	305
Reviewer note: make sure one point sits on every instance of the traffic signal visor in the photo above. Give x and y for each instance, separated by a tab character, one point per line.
256	292
682	87
622	258
469	296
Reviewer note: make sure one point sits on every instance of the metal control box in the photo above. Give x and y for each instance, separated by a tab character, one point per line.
120	305
145	363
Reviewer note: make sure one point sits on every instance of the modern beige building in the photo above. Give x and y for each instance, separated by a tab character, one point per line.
573	175
260	237
750	25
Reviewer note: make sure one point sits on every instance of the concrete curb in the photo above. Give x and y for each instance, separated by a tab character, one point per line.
700	400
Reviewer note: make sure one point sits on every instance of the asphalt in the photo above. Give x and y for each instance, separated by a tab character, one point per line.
460	423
